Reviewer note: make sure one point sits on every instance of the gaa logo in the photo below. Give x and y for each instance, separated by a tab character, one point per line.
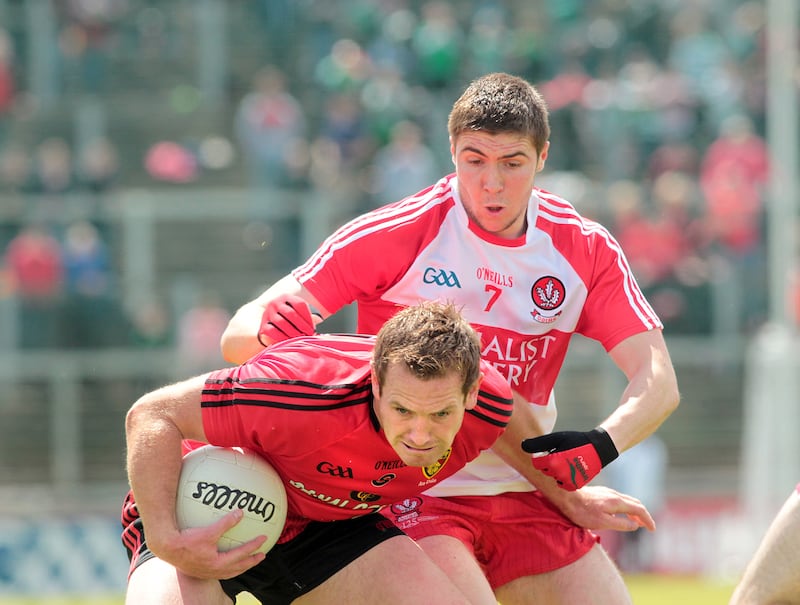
335	470
440	277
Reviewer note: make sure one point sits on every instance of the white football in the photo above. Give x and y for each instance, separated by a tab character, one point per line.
216	480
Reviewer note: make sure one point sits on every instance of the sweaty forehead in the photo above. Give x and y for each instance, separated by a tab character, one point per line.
500	144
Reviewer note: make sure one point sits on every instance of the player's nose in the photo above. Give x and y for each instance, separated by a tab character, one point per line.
492	179
419	433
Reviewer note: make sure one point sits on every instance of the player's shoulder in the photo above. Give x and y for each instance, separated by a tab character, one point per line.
558	210
425	204
319	359
560	219
333	346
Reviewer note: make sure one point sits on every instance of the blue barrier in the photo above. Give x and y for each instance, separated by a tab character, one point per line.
80	556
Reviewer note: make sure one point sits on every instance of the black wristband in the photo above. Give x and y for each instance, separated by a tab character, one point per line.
602	442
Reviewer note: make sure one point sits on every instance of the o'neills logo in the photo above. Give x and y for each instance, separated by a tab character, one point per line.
430	471
223	497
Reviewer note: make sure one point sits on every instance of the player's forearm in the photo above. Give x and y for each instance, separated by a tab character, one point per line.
239	341
153	464
155	428
649	399
652	391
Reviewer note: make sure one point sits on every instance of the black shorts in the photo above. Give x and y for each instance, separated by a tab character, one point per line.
290	569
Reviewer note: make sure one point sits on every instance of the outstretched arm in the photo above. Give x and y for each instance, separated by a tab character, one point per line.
240	340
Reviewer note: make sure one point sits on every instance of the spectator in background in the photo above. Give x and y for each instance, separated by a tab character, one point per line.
733	176
438	46
98	166
489	40
86	260
673	155
344	123
53	170
341	155
683	294
15	170
270	123
388	99
150	324
404	166
35	265
665	244
92	317
631	226
86	40
564	94
699	53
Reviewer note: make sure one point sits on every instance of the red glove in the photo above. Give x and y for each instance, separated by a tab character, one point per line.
286	317
572	458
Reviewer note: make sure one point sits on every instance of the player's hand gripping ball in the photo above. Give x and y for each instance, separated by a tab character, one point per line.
217	480
572	458
286	317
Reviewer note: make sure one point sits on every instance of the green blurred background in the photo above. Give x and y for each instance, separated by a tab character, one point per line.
162	162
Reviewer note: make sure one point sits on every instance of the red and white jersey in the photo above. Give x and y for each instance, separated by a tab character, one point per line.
526	297
305	405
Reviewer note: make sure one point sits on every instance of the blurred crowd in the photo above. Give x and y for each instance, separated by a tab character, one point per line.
657	115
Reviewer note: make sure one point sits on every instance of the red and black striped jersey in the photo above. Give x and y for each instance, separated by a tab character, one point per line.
305	405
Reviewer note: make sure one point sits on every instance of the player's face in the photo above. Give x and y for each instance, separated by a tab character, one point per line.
420	418
495	179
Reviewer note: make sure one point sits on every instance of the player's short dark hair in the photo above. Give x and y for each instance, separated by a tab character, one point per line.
432	339
499	103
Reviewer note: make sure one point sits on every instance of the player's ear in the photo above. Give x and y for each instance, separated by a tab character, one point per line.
540	161
376	387
471	400
452	151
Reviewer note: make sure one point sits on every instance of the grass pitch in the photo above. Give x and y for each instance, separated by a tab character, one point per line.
645	590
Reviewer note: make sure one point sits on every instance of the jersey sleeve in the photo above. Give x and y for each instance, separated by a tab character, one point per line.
495	399
369	254
615	307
